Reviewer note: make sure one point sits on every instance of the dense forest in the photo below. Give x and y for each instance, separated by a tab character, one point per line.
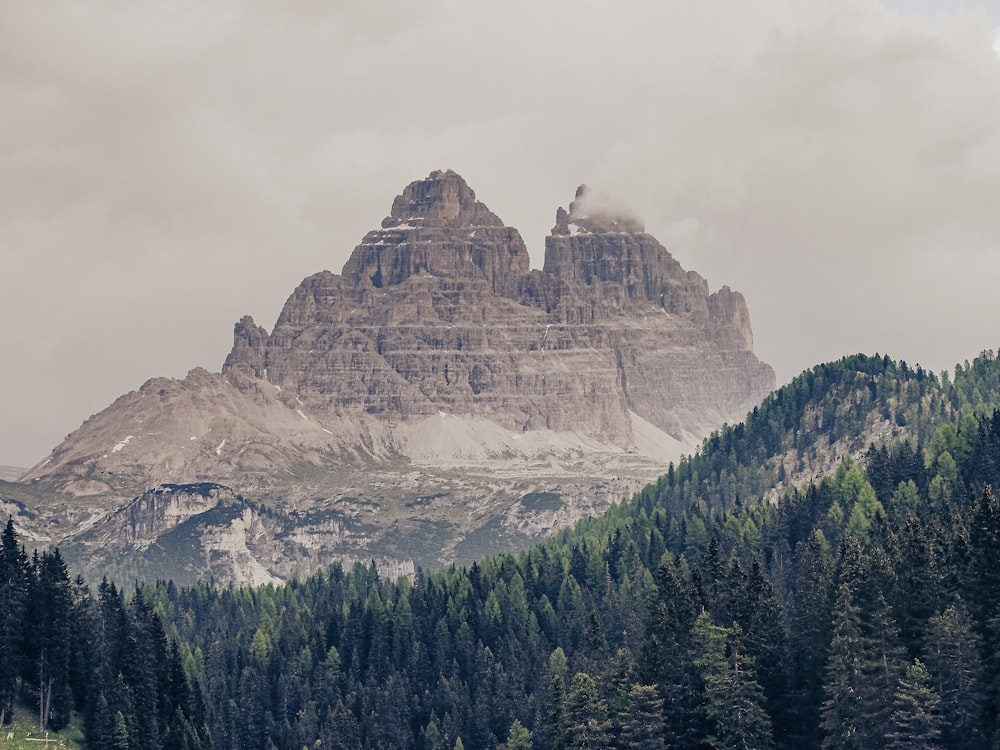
64	649
855	609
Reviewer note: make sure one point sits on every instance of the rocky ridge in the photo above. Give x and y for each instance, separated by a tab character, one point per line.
436	365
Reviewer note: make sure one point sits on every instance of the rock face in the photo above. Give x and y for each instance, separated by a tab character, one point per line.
437	348
437	311
438	228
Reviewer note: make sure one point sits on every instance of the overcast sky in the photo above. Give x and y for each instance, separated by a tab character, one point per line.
167	167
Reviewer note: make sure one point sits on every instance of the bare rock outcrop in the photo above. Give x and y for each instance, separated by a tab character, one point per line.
437	346
437	311
438	228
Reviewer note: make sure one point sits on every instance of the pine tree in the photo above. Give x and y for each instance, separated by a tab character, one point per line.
918	589
767	644
811	623
587	723
884	664
518	738
842	708
13	598
984	572
50	607
863	670
916	722
641	720
953	661
734	701
119	737
666	657
107	692
550	723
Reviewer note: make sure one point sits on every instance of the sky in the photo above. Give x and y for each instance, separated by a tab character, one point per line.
167	166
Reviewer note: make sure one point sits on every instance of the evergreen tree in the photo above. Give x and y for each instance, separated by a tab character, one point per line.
342	731
641	720
550	724
767	645
884	665
984	572
842	709
953	661
666	657
518	738
119	736
734	701
145	670
13	598
587	724
50	608
811	624
107	693
916	723
919	588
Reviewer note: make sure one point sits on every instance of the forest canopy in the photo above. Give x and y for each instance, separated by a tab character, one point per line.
858	608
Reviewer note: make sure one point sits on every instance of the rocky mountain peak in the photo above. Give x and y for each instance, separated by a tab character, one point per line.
594	212
442	199
436	227
435	391
249	342
601	250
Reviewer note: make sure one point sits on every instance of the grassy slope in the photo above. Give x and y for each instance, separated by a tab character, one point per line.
25	735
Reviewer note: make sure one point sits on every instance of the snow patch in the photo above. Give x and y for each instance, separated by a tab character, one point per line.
122	444
219	447
299	412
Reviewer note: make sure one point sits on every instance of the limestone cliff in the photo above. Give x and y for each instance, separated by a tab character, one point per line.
438	362
437	311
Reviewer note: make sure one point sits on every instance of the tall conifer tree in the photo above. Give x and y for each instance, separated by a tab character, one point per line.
734	701
842	707
952	655
13	597
916	721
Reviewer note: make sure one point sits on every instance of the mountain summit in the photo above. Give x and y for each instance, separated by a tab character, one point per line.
438	353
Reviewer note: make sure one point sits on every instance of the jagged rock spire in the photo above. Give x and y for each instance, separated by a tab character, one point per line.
443	199
437	228
593	212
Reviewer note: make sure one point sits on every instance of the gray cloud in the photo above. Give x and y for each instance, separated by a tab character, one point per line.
167	167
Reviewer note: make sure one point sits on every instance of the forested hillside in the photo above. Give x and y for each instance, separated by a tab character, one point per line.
859	609
65	649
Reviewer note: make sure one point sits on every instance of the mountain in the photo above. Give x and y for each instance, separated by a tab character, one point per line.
434	401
